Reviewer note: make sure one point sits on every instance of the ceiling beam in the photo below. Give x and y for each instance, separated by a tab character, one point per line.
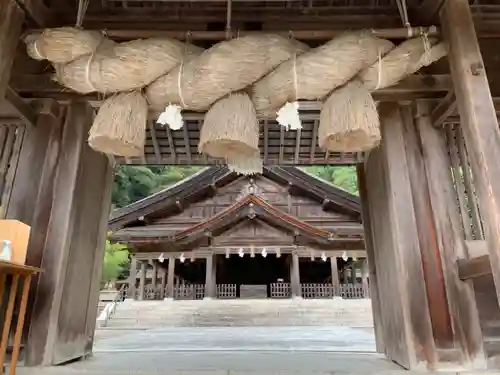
37	14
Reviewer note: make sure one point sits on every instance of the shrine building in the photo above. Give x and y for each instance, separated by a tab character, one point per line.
281	234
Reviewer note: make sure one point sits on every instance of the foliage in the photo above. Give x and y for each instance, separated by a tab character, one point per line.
340	176
116	262
133	183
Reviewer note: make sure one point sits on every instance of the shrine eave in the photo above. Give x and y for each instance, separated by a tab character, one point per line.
251	207
208	180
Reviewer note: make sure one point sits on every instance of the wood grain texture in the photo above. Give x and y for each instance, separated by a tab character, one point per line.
477	118
449	237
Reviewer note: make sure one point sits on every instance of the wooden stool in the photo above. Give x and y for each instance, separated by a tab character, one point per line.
20	274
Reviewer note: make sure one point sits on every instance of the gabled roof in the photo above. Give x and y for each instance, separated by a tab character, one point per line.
208	180
250	207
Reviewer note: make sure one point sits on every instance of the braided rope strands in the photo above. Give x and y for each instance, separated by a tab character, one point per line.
120	125
246	165
226	67
404	60
316	73
231	131
124	66
349	120
64	44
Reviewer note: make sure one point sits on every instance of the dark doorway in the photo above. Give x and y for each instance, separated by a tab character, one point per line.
249	270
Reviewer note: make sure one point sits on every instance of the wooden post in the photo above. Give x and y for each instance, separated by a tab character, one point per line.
75	221
335	276
408	336
295	276
364	278
446	235
370	253
154	275
210	287
11	23
142	280
163	282
429	251
478	119
170	277
132	278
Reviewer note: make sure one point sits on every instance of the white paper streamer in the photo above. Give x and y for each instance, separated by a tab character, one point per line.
172	115
288	116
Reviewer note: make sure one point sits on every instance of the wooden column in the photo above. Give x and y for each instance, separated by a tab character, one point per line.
364	278
210	286
429	251
154	275
295	276
478	119
132	278
11	23
170	277
142	280
335	276
163	282
370	253
405	314
72	242
444	233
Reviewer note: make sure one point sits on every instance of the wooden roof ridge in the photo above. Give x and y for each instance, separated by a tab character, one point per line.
251	207
324	192
328	192
183	188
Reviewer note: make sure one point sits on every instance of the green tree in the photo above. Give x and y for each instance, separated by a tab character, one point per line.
116	262
341	176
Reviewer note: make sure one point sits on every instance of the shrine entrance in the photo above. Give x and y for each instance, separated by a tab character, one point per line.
429	183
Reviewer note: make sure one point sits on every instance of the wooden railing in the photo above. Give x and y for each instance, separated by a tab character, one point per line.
280	290
189	291
226	291
346	291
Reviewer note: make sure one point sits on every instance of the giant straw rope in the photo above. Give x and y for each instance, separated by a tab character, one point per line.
274	71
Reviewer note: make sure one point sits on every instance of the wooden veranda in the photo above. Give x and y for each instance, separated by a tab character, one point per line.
430	192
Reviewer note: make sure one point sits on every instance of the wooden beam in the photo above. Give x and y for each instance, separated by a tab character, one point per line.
25	111
11	23
446	107
478	119
37	13
129	34
474	267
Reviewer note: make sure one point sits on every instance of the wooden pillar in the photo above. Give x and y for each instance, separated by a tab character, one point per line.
72	242
364	278
11	23
444	233
210	286
370	253
335	276
295	276
132	278
408	336
478	119
142	280
163	281
154	275
170	277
